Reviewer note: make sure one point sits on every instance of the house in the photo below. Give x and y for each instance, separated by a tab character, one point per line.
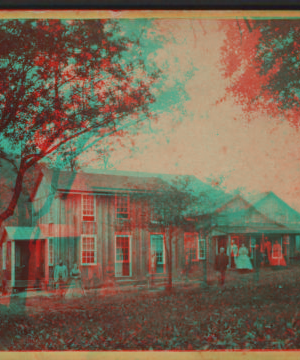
261	219
103	222
106	222
22	214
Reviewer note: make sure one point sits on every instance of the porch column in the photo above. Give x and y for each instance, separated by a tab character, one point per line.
286	239
46	261
12	264
229	250
4	251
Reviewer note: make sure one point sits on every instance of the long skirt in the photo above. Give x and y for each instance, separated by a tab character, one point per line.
280	261
243	262
75	289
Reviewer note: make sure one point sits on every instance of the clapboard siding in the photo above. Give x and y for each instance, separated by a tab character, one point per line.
66	211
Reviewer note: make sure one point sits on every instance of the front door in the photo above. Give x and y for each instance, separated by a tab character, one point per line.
30	260
123	256
221	243
158	253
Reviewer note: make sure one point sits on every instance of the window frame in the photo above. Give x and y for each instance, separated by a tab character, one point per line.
117	196
196	235
164	251
124	234
95	249
199	241
94	209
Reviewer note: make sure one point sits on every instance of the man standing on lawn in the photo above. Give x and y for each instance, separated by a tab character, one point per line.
60	276
221	265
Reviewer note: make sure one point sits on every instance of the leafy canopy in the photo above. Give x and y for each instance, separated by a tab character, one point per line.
261	58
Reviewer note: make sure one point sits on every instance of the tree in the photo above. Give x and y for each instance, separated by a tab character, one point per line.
169	209
261	58
60	80
93	149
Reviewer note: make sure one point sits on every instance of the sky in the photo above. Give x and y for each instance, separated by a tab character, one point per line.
212	140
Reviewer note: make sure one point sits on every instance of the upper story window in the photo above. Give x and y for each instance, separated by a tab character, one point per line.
122	203
88	208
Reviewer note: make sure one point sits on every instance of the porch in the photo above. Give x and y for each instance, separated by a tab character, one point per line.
25	258
269	247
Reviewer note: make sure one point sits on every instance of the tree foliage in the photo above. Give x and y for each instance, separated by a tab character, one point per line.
62	79
261	59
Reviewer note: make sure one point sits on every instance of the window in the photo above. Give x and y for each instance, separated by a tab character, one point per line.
123	255
88	208
122	206
88	250
51	251
157	260
190	246
201	249
194	247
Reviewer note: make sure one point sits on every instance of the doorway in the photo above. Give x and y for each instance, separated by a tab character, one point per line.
30	260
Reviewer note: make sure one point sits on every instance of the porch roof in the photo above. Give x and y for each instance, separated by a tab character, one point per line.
24	233
256	230
42	231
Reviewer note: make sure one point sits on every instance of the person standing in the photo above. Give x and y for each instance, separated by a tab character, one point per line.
222	261
277	258
243	261
60	276
234	254
75	289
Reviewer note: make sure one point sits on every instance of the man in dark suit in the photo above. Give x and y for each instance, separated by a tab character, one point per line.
221	265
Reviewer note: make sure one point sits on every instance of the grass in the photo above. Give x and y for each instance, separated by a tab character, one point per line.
245	315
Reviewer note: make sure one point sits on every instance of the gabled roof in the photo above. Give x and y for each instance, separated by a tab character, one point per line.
92	182
276	209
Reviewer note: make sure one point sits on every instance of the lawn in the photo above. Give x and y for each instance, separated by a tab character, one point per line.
245	315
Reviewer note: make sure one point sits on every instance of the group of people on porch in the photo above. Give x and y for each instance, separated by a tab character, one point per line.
264	254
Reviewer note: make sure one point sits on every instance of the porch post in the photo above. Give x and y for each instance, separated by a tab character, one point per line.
46	261
287	244
12	263
4	251
229	250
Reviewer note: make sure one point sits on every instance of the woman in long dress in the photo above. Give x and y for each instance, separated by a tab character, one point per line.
243	261
75	287
277	258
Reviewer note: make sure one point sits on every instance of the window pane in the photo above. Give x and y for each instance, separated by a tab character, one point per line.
88	207
190	246
122	206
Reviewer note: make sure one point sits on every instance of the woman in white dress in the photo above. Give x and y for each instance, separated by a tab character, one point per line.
75	287
243	261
